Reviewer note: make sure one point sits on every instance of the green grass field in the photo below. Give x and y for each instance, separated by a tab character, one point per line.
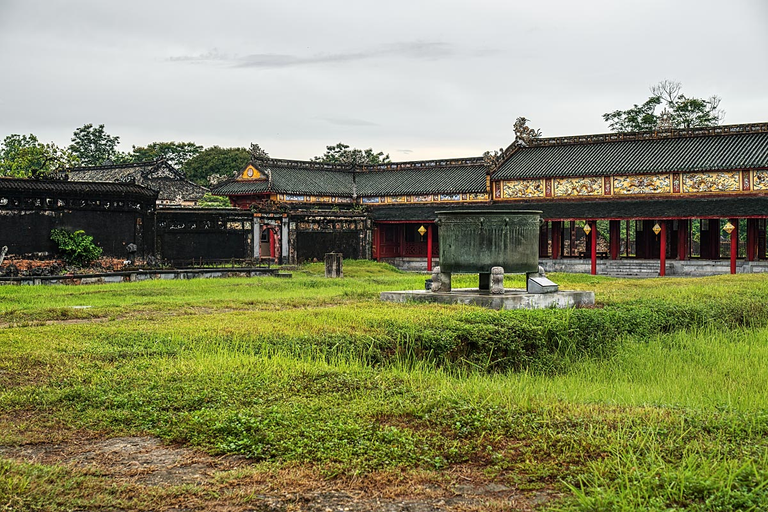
657	398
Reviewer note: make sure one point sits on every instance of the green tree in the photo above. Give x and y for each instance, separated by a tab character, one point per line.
76	248
176	153
24	156
342	154
216	161
211	201
94	146
678	111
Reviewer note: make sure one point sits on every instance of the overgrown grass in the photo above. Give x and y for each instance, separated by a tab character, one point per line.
655	399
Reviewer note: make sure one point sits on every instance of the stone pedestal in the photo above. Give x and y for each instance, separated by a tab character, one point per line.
497	280
441	281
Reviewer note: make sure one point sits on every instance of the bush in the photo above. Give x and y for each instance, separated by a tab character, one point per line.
76	248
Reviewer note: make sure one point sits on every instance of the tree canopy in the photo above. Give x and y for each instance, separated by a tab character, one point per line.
175	153
24	156
215	162
342	154
94	146
678	111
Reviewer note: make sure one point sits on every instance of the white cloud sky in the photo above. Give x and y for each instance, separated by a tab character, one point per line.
416	79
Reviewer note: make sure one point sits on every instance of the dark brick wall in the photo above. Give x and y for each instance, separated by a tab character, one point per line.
114	215
311	245
208	235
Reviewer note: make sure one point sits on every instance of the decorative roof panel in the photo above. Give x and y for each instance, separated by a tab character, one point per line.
638	156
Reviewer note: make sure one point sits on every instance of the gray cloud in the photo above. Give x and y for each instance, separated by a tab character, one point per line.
441	79
415	50
404	151
409	50
209	56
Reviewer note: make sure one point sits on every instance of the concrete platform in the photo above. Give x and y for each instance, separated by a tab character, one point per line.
511	299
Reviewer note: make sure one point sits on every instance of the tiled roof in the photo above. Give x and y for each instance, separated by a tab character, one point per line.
296	177
429	177
566	157
69	188
240	188
629	208
292	177
158	175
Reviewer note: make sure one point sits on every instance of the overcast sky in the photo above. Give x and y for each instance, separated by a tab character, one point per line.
415	79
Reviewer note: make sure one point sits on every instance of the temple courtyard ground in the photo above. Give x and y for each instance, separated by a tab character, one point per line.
311	394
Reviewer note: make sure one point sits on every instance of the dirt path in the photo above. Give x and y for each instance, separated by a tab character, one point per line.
147	463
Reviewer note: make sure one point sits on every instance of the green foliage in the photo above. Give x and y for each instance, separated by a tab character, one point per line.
76	248
342	154
216	162
679	111
176	153
24	156
94	146
211	201
639	118
655	399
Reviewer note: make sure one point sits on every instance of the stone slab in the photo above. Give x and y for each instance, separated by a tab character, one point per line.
141	275
512	298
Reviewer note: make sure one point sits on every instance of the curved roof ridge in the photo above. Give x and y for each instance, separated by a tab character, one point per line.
423	164
600	138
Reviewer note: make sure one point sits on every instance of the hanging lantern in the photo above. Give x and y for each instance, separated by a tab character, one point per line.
657	228
422	230
587	228
728	228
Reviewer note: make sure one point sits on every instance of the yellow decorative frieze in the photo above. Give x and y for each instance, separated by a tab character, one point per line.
519	189
642	184
588	186
299	198
760	180
699	182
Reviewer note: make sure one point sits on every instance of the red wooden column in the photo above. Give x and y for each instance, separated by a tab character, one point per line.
593	248
734	243
429	246
271	243
615	236
683	234
663	249
557	234
751	239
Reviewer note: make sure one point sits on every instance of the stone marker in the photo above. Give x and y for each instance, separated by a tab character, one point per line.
333	264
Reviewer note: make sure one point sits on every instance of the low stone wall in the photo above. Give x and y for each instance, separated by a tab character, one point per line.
411	264
650	268
142	275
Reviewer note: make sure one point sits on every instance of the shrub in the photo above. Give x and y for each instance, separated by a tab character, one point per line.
77	248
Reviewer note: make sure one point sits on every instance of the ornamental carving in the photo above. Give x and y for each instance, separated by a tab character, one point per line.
591	186
642	184
724	181
517	189
760	181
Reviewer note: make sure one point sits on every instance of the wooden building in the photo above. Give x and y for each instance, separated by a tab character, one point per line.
689	201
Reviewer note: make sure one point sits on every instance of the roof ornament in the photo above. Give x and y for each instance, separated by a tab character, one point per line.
524	135
664	123
492	158
257	153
